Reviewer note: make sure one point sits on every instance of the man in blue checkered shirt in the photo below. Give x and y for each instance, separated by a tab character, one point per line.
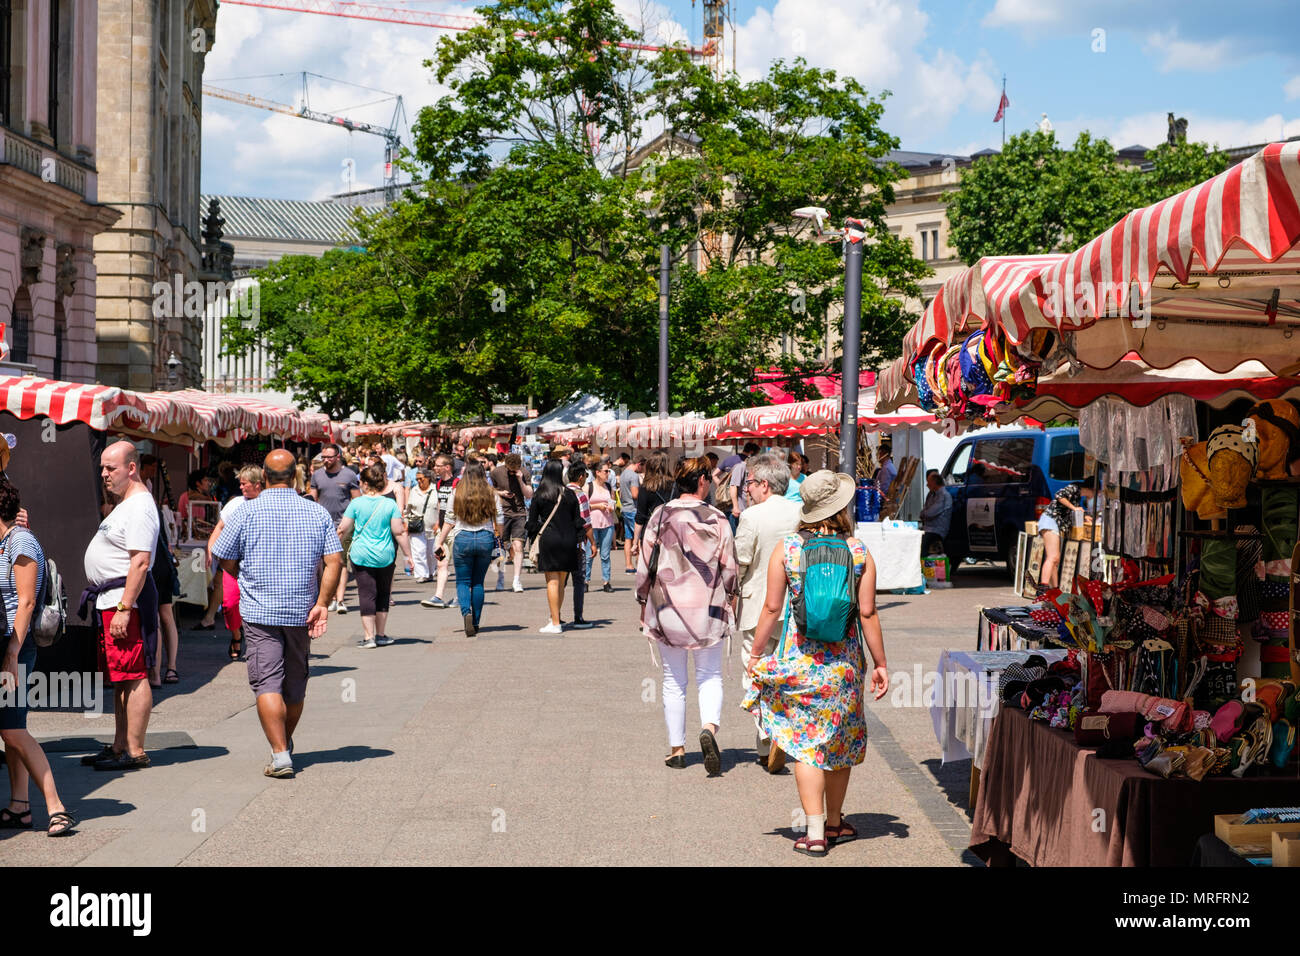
274	544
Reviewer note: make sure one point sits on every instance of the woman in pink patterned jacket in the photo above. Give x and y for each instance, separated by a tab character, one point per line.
688	601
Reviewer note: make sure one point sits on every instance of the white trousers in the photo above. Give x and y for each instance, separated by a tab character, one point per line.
421	552
708	682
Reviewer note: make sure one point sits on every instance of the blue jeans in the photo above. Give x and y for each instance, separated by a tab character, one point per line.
604	541
471	556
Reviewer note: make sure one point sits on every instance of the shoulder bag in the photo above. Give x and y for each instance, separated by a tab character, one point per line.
534	549
416	525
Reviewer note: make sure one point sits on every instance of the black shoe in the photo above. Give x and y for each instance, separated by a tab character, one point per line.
123	762
676	762
608	588
582	625
712	756
91	759
470	630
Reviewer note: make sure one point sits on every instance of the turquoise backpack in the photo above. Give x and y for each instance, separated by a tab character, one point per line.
827	603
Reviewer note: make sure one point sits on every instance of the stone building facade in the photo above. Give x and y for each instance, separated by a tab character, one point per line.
151	57
49	214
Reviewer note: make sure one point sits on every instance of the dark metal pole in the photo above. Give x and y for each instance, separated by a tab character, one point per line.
665	265
852	346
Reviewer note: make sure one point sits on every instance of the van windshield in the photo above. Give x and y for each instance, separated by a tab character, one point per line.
1065	459
1001	461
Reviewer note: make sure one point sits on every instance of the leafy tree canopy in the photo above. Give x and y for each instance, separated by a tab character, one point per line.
1037	197
526	265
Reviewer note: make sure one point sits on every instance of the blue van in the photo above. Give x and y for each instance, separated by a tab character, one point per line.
999	481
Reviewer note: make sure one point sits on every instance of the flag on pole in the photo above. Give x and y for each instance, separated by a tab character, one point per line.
1002	107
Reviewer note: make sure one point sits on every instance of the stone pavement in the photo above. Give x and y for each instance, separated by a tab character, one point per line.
511	748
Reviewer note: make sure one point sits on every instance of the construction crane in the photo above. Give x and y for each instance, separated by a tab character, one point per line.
424	18
393	142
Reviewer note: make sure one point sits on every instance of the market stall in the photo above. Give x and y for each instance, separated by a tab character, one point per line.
1171	338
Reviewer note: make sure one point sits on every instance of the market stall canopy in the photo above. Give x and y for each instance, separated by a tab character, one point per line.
100	406
657	432
1135	382
581	411
774	384
186	417
815	418
1210	274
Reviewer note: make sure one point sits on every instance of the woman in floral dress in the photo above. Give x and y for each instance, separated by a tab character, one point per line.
809	694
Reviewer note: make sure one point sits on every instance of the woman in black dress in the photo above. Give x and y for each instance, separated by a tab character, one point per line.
557	556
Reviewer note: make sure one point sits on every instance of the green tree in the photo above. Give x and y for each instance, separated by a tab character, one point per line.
1036	197
526	266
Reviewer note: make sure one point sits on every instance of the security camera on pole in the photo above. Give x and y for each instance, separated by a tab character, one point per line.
853	234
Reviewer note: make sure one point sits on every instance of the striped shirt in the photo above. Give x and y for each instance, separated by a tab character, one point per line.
584	506
278	538
19	543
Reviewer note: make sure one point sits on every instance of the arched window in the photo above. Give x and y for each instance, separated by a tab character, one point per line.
22	326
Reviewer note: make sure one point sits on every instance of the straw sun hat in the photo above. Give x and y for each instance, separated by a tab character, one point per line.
825	493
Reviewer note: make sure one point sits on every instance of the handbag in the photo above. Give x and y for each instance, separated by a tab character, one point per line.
534	549
652	562
416	525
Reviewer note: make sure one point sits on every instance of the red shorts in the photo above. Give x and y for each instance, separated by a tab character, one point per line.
123	660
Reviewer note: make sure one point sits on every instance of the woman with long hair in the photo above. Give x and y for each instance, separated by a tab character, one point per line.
22	574
688	601
473	519
555	518
379	527
656	490
809	695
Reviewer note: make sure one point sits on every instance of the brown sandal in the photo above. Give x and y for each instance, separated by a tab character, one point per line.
844	833
805	846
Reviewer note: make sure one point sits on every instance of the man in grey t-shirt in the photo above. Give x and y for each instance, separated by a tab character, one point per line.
334	487
629	483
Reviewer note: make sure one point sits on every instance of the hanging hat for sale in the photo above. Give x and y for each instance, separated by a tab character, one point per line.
825	493
1233	453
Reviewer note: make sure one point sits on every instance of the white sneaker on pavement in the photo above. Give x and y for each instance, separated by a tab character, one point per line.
551	629
343	607
518	588
334	606
369	643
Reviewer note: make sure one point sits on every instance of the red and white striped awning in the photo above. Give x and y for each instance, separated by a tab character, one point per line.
1211	274
99	406
476	432
817	417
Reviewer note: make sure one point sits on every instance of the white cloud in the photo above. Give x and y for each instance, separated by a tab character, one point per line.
1181	54
879	42
1019	13
1292	88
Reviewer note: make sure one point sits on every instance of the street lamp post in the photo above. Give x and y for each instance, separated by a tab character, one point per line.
665	267
853	235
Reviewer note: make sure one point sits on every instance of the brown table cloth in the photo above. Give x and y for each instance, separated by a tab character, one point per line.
1056	804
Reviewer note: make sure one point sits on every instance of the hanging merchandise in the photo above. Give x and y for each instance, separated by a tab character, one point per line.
1233	453
1130	438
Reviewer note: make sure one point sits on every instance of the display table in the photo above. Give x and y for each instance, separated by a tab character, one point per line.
967	699
1056	804
896	549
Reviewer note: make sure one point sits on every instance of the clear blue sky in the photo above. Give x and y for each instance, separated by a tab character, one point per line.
1114	67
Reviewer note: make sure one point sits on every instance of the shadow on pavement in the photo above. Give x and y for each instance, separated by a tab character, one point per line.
351	754
332	668
953	779
873	825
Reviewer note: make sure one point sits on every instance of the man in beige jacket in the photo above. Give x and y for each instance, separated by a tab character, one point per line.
769	517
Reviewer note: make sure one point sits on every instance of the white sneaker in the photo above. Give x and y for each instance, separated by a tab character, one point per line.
518	588
551	629
383	641
343	607
334	606
369	643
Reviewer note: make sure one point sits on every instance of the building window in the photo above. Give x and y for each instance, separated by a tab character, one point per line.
52	113
925	245
22	326
6	60
934	243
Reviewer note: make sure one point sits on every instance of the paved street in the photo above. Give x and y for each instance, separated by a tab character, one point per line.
512	748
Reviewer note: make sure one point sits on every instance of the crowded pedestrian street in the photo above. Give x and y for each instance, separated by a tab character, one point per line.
512	747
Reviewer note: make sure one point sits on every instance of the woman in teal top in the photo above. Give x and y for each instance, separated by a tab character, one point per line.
795	461
378	528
